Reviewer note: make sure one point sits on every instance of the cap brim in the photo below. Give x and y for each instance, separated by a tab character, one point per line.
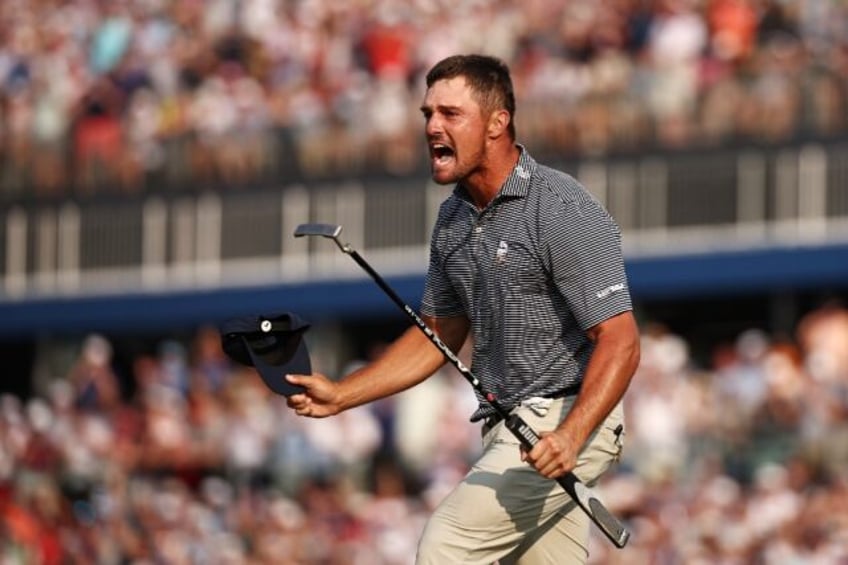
274	374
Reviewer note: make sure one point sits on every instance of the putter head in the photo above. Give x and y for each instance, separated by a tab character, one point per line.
323	230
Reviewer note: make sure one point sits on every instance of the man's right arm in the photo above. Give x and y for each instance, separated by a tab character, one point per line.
406	362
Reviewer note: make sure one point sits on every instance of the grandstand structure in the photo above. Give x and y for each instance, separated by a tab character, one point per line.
699	223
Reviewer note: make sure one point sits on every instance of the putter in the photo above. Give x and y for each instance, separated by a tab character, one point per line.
582	495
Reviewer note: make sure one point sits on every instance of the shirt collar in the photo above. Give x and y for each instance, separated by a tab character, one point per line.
517	184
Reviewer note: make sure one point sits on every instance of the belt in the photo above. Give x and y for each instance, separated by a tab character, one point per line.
492	420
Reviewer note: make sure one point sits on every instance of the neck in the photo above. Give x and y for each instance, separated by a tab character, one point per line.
484	184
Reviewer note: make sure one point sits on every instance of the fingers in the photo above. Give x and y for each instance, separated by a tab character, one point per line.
302	408
301	402
302	380
304	405
318	398
549	456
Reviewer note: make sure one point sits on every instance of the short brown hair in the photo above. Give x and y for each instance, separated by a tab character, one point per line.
488	78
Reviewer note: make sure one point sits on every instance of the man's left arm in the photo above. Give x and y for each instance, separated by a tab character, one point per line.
608	374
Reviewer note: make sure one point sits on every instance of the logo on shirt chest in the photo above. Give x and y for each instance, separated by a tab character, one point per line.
500	254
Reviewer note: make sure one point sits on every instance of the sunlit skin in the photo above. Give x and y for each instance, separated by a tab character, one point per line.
468	144
406	362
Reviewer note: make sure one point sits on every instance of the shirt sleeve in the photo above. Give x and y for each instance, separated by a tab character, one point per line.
586	262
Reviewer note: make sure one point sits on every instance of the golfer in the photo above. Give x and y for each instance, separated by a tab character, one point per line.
529	264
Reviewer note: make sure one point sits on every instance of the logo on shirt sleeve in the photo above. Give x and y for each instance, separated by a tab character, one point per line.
601	294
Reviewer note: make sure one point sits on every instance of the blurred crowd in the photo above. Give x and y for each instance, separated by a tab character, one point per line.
125	95
189	459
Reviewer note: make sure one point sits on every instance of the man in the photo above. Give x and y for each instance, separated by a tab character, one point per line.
527	261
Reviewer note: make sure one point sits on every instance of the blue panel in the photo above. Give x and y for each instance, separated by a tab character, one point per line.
655	278
163	311
743	271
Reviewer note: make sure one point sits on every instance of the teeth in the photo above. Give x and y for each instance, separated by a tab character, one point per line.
441	151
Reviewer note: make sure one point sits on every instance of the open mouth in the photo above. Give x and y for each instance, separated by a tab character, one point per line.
441	153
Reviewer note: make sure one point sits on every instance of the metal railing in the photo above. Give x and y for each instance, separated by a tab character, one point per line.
670	203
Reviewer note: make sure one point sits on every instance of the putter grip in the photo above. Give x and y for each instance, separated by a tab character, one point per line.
580	493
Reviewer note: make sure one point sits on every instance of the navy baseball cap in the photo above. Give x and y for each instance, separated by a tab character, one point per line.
273	344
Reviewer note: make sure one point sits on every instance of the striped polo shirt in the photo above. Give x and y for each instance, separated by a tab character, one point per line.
537	267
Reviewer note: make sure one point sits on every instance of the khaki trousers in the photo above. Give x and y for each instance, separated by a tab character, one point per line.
504	512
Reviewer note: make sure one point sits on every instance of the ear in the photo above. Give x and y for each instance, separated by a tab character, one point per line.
498	123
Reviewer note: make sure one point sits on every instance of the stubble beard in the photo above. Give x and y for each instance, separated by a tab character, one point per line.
460	171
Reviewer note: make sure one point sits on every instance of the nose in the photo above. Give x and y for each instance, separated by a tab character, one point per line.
432	125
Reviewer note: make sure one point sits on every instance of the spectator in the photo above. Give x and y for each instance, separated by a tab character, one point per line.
96	386
141	95
742	460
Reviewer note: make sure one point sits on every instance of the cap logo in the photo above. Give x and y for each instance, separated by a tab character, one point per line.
265	326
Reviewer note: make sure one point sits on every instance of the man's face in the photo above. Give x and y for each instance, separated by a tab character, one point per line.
456	130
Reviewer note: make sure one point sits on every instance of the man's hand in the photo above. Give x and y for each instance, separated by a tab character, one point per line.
612	365
553	456
319	400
